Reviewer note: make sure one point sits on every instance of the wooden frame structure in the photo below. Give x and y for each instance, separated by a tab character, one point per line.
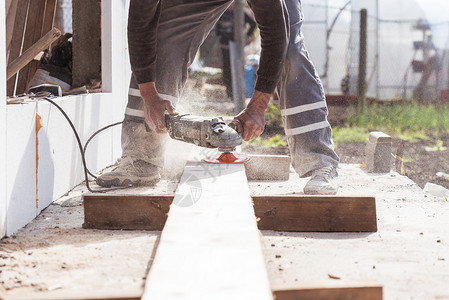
29	21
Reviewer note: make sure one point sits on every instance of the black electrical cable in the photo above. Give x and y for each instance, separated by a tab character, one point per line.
91	137
82	150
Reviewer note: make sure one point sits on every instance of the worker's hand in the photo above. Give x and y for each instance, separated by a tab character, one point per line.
155	107
252	118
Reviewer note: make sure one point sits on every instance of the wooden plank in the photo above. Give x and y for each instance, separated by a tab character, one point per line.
324	292
316	213
32	32
15	48
38	33
28	55
210	246
11	10
130	212
46	24
8	4
49	16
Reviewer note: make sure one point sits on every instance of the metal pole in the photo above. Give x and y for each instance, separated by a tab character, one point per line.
361	86
377	52
238	62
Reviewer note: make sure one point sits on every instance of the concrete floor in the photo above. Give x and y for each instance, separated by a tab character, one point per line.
408	256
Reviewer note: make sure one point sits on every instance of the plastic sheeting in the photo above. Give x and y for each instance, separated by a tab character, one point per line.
437	14
393	37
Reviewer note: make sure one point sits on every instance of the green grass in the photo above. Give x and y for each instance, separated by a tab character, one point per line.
349	135
410	121
274	141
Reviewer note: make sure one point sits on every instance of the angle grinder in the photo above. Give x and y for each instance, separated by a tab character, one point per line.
208	133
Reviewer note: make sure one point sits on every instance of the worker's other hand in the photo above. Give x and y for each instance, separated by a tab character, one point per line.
155	107
252	118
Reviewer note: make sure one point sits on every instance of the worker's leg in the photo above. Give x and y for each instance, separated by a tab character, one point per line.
183	26
303	106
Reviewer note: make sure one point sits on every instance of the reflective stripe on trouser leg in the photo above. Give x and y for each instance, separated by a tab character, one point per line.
303	104
183	26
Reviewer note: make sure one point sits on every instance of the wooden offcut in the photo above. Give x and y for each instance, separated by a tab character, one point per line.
210	247
316	213
130	212
324	292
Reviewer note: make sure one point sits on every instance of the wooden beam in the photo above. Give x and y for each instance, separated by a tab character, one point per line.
329	292
130	212
316	213
279	213
210	246
34	50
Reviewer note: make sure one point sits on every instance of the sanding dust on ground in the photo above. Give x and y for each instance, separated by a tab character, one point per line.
54	255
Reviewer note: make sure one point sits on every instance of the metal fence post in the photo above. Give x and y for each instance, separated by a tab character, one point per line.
361	85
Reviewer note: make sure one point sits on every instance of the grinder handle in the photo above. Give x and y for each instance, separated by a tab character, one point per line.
237	126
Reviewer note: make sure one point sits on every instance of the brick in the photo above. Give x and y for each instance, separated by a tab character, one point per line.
378	153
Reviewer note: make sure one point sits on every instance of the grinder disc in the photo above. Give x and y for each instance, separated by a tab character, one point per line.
227	158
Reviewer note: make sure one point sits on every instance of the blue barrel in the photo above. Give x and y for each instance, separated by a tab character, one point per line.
249	80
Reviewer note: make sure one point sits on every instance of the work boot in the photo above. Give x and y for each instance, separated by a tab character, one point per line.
324	181
130	172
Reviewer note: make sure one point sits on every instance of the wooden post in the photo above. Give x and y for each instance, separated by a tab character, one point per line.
238	60
361	86
86	41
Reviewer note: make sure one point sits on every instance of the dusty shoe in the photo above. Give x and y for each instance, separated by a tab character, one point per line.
130	172
324	181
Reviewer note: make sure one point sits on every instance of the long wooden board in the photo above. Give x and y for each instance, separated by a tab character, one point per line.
316	213
279	213
210	247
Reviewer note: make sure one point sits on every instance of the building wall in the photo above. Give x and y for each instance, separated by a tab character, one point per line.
37	167
2	122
